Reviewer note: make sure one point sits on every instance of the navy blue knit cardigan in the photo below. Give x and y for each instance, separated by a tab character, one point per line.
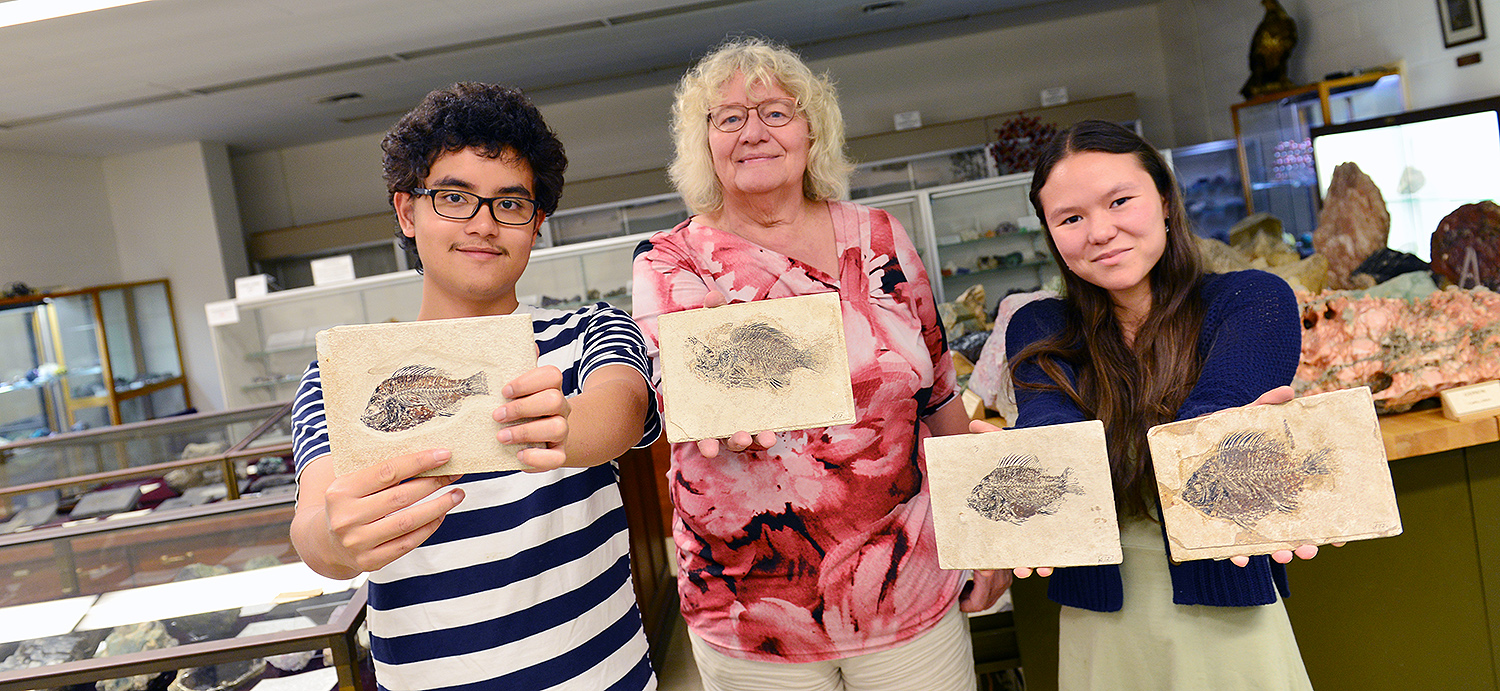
1250	343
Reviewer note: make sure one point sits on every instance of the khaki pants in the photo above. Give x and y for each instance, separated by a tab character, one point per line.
941	659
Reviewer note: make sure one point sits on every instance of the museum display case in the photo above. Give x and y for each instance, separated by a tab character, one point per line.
1274	140
65	566
613	220
980	232
264	343
107	473
934	169
91	357
1212	191
207	597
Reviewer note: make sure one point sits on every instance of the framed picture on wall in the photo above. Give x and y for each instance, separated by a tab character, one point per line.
1461	20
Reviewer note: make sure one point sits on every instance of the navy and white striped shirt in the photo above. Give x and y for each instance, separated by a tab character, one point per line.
526	584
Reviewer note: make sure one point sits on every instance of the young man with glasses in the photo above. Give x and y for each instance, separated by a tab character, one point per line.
514	580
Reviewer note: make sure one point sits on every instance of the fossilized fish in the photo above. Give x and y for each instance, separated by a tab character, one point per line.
416	394
1018	489
752	355
1251	474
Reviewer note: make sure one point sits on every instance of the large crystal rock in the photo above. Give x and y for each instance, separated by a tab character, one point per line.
1466	246
1405	350
134	638
1353	224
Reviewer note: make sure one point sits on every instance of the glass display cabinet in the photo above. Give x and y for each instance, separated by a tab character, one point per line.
1273	135
197	597
1212	190
85	358
182	461
613	220
264	343
934	169
980	232
73	579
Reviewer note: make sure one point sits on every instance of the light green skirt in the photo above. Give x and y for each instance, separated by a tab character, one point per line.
1153	644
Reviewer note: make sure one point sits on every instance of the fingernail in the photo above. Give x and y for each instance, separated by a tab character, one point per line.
508	391
504	436
457	495
442	455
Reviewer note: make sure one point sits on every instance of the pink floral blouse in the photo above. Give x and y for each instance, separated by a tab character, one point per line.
822	546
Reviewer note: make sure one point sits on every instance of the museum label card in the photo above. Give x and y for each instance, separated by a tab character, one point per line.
398	388
1258	479
1472	402
767	365
1037	496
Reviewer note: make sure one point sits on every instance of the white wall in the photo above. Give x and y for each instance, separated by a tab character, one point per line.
55	226
167	205
1208	46
948	79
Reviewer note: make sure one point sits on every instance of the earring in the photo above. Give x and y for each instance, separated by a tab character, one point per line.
1168	224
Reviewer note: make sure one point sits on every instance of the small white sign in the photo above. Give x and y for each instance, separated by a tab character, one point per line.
1054	96
328	270
252	286
222	312
909	120
1472	402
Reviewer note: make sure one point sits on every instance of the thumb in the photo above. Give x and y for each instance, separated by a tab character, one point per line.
714	298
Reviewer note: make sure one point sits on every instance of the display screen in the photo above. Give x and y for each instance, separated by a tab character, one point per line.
1425	167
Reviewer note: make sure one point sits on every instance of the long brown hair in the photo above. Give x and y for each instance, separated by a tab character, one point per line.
1129	387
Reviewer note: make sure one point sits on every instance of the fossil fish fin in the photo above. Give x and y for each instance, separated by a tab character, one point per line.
416	371
476	385
1316	463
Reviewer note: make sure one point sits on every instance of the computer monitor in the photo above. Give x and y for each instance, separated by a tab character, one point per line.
1425	162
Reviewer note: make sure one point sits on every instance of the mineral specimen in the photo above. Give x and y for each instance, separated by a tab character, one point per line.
1405	350
135	638
991	377
53	650
1354	224
1466	246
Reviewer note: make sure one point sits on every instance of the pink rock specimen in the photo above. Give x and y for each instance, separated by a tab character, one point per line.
1466	246
1404	350
1353	224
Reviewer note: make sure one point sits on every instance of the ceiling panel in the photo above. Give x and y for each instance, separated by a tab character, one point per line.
251	72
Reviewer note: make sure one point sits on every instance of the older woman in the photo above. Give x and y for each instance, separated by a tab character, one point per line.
807	557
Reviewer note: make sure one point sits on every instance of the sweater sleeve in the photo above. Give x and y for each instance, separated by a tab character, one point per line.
1251	341
1039	407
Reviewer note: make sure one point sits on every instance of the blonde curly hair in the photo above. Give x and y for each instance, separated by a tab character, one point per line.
763	63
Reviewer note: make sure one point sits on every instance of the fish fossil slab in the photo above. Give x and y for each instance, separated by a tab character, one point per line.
416	394
1249	475
1018	489
755	354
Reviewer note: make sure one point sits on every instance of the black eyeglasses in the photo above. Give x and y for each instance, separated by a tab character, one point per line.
461	206
774	113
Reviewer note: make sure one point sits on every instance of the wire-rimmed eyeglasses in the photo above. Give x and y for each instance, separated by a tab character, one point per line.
461	206
773	113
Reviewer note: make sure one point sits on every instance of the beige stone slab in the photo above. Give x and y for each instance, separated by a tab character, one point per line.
392	389
1039	496
768	365
1255	480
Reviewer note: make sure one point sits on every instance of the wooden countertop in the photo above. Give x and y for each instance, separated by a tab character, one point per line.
1422	432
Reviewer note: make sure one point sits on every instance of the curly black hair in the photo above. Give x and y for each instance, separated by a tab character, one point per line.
486	117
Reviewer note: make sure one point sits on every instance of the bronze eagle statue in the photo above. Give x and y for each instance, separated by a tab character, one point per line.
1270	50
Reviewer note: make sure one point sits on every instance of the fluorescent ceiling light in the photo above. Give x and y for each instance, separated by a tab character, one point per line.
23	11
